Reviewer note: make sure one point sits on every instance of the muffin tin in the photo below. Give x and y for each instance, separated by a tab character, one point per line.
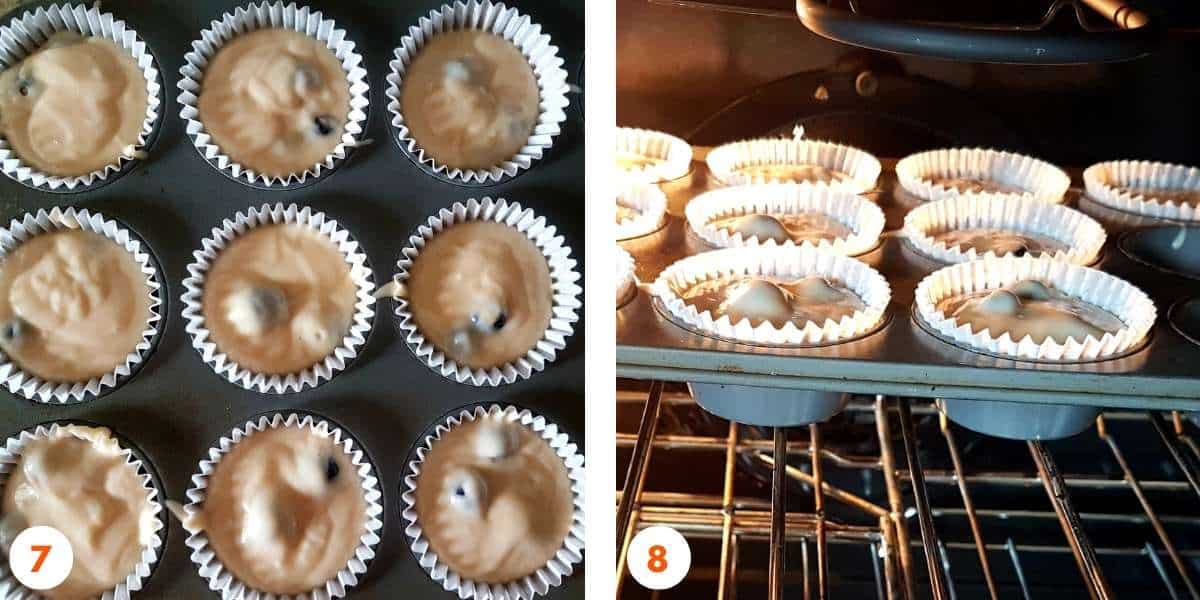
902	358
174	408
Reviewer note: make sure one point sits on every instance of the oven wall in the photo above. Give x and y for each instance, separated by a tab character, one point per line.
676	66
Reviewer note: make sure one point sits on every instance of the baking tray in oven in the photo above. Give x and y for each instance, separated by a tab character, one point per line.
902	358
176	407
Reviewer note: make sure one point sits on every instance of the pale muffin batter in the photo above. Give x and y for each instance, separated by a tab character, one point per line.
772	299
1000	242
630	161
73	305
481	293
970	185
1032	308
284	510
793	173
275	100
279	299
1163	195
470	99
626	213
494	499
74	106
783	227
78	481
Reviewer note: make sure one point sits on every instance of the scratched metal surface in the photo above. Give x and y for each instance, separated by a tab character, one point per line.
176	407
902	358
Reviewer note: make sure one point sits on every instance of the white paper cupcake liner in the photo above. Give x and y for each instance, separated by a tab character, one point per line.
24	35
861	216
1040	180
10	458
208	563
626	280
563	277
1111	183
522	32
32	387
1082	235
650	201
675	154
862	168
209	252
786	262
1117	296
535	584
271	15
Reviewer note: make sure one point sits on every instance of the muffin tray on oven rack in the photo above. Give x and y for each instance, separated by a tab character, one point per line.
176	407
902	358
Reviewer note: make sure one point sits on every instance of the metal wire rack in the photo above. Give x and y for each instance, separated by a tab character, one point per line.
993	518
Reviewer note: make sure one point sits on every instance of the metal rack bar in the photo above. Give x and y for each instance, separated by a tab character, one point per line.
895	499
1159	530
830	490
1016	561
1081	548
1172	443
1162	571
968	505
944	560
1181	433
635	476
724	583
929	537
814	440
804	568
875	569
778	516
891	575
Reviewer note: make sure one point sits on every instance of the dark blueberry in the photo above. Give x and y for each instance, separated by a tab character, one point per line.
460	492
23	86
331	469
269	304
12	330
324	124
500	321
1021	250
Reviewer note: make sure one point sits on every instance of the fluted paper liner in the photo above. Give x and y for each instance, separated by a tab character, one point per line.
522	32
209	253
862	168
26	34
790	262
675	154
28	385
649	201
1111	183
1082	235
271	15
535	584
1132	306
208	563
864	219
626	280
10	458
563	280
1040	179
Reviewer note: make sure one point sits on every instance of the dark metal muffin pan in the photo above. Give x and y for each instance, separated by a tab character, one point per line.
176	406
902	358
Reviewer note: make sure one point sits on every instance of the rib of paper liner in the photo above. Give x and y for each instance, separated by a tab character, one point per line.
563	276
1127	302
675	153
651	204
791	262
526	35
862	216
252	17
546	577
206	256
10	456
1083	236
33	30
1041	179
32	387
862	168
626	280
1108	183
225	582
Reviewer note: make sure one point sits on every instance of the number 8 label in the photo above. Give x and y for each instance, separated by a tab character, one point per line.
648	560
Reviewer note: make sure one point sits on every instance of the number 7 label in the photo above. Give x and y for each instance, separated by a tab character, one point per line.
42	551
41	558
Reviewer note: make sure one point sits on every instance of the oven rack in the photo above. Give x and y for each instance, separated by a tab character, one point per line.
904	564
